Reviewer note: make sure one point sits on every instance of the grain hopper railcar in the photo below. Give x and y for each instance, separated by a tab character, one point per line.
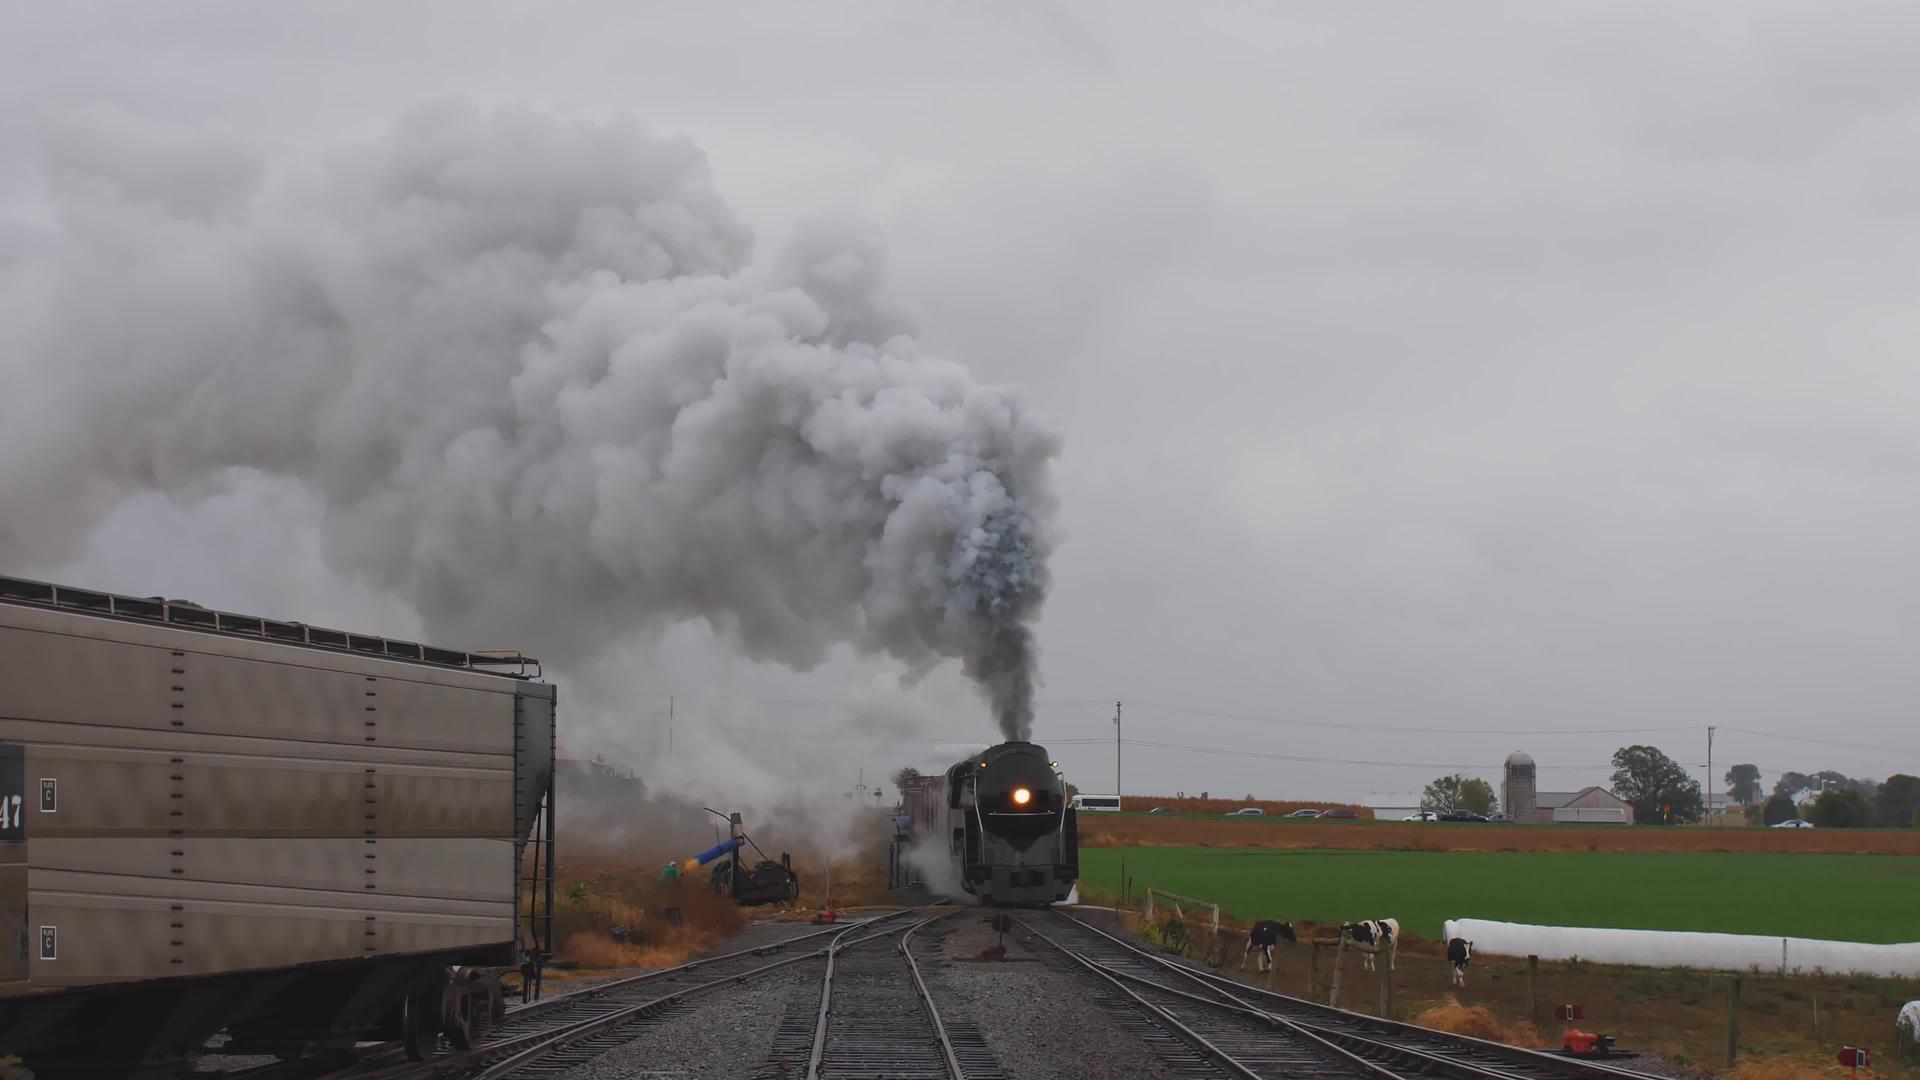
301	837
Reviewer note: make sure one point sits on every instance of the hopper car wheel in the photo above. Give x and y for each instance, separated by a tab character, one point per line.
457	995
420	1023
460	1020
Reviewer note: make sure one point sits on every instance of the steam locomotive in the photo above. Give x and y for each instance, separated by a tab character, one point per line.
1000	824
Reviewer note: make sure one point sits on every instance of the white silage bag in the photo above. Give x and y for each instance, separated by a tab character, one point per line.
1672	948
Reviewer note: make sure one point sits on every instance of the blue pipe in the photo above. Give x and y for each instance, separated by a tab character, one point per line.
716	851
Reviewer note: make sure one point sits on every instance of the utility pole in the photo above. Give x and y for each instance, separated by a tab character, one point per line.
1709	815
1116	752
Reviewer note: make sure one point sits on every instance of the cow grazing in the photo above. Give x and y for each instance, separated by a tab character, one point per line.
1384	933
1459	952
1263	936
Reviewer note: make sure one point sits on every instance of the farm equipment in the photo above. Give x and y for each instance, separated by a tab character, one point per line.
767	882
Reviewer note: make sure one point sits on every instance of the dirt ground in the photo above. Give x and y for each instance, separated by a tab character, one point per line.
1273	807
1792	1025
1112	830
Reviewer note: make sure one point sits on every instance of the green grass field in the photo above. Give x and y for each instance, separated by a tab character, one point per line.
1840	897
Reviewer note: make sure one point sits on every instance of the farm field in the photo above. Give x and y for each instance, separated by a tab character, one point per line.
1143	830
1843	897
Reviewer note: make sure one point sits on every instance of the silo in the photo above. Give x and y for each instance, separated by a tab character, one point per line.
1517	790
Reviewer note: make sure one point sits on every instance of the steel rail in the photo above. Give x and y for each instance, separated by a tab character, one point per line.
1337	1055
525	1049
539	1045
559	1001
1400	1034
826	1002
926	999
1465	1069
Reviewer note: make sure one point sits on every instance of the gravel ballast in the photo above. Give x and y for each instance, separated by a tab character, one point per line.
725	1033
1040	1022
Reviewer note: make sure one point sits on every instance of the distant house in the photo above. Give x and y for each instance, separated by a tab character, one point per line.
1588	806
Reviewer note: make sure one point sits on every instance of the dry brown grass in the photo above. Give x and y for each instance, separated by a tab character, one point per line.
597	891
1480	1022
1791	1069
1108	830
584	927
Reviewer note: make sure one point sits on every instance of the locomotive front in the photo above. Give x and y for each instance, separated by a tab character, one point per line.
1016	837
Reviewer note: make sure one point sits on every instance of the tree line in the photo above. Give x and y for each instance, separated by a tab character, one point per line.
1662	791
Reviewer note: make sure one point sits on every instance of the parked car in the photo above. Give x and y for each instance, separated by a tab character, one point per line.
1794	823
1246	811
1305	812
1423	815
1347	813
1462	815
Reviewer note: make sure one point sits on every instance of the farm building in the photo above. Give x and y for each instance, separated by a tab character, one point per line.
1517	795
1526	804
1589	806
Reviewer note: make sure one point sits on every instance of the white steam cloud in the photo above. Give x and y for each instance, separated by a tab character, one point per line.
526	365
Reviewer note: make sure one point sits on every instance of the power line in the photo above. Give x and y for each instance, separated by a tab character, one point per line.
1402	729
1823	742
1221	751
1222	714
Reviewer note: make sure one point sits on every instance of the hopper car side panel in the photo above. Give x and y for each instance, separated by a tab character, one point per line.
926	806
302	834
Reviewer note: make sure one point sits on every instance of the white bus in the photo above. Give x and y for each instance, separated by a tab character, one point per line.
1104	803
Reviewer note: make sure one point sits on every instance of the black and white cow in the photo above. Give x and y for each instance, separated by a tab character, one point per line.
1382	932
1263	936
1459	953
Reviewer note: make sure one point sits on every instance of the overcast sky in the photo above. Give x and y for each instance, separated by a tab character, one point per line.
1436	380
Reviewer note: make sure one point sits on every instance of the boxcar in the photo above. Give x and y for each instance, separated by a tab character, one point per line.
301	837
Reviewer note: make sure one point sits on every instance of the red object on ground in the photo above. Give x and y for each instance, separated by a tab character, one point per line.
1855	1057
1578	1042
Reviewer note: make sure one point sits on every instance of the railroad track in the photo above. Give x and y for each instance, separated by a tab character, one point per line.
1247	1031
548	1037
874	1018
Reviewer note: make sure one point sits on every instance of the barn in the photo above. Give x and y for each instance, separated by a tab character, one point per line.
1588	806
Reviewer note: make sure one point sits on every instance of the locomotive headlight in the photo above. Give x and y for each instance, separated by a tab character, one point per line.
1022	796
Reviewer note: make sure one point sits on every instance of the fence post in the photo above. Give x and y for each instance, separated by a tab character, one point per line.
1386	986
1533	976
1339	968
1733	1021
